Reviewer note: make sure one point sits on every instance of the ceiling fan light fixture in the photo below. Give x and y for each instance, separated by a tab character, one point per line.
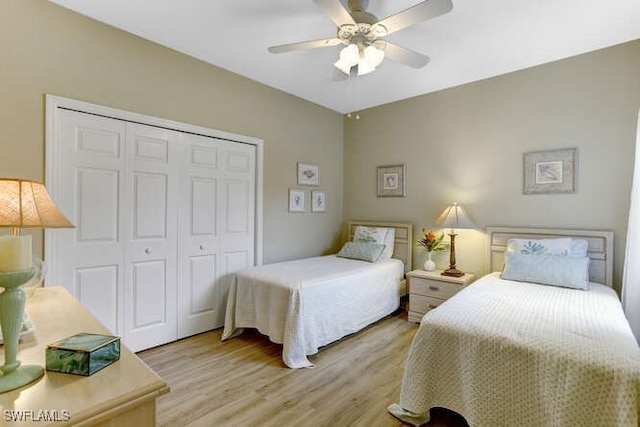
342	66
372	56
364	68
350	55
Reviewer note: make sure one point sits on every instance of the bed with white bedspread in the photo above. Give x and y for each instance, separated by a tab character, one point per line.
506	352
308	303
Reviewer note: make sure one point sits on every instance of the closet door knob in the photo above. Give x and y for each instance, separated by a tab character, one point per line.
147	251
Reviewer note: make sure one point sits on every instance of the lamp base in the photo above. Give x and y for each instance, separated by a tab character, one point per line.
20	377
452	272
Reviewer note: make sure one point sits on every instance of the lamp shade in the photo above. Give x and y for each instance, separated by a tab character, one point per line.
26	204
454	217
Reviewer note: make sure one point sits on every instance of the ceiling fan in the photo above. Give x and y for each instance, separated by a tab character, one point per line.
363	34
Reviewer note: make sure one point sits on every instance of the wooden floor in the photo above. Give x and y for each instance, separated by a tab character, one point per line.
243	381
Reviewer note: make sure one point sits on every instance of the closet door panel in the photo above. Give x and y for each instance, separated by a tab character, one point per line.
97	287
237	216
98	213
199	237
203	206
90	168
149	294
150	194
153	171
202	294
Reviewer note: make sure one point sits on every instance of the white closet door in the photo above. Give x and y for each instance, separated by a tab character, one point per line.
150	234
218	206
237	216
163	218
90	157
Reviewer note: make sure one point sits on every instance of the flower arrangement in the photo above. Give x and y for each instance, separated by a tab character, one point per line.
432	242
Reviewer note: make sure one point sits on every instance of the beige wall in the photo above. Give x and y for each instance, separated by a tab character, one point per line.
47	49
466	144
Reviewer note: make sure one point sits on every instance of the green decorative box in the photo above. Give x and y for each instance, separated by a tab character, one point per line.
82	354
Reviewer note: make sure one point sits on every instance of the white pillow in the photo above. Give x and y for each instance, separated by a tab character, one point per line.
560	246
556	270
381	235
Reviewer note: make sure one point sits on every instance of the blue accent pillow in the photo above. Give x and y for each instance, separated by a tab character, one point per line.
370	252
554	270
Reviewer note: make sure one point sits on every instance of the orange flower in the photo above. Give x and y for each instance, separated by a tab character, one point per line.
432	242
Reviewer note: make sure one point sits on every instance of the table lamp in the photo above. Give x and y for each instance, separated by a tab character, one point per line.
454	217
23	204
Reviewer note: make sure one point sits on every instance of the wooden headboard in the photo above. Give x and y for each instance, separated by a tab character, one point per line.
600	250
403	239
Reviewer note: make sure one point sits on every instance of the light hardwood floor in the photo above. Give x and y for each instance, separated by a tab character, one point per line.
243	381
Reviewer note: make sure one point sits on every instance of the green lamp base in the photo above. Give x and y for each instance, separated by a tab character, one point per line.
20	377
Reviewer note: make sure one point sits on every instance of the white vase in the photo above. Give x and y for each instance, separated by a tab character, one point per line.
429	265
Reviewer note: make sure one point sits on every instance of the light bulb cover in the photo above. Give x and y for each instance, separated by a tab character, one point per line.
364	68
373	56
342	66
350	55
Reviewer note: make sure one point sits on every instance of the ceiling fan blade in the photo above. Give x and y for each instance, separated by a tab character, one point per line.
415	14
402	54
335	11
312	44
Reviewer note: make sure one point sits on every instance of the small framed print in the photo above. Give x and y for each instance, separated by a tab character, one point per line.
317	201
308	174
392	181
296	200
551	171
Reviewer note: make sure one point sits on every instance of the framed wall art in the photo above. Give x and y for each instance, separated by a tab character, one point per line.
296	200
392	181
308	174
317	201
550	171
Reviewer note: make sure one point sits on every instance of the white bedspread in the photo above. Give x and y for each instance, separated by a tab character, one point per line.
505	353
308	303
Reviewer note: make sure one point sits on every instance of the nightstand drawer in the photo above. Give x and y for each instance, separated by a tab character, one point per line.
422	304
433	288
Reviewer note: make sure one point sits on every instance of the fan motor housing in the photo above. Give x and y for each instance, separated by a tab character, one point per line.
362	33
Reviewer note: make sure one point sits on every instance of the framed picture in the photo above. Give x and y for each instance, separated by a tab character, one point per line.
551	171
392	181
317	201
296	200
308	174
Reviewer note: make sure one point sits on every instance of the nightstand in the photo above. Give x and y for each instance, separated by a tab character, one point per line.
429	289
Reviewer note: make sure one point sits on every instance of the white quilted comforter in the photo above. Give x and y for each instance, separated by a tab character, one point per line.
308	303
505	353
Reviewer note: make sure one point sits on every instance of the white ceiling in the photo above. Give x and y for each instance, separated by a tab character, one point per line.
477	40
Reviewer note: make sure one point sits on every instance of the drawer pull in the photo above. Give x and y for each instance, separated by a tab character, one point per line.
434	288
431	306
147	251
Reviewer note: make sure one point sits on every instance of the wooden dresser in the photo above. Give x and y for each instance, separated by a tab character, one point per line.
122	394
429	289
